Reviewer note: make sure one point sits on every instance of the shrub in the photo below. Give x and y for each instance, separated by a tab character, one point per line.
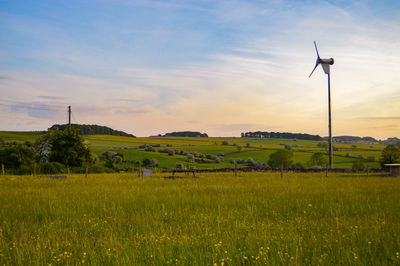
150	148
154	162
231	160
358	165
221	154
360	156
190	157
50	168
250	161
298	166
146	162
239	148
247	145
318	159
323	144
171	152
239	161
225	142
390	154
371	159
280	159
179	166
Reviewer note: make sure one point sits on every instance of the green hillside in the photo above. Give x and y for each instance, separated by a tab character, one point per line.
258	149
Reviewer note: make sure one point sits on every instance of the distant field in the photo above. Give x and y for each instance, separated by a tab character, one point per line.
259	149
255	218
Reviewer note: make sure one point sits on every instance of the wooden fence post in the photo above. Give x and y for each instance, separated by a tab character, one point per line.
235	168
2	169
34	169
140	169
87	169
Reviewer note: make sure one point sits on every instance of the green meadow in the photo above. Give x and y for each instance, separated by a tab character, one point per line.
215	219
259	149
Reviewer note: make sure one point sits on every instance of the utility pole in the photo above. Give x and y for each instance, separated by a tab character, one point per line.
69	116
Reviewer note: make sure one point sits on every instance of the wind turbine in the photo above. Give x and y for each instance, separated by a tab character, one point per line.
326	63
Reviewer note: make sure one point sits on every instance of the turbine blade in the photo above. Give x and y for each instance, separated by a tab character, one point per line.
316	49
313	70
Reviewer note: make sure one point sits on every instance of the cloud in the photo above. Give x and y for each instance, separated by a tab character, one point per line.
246	68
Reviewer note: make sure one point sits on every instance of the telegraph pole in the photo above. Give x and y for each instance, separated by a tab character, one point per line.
69	116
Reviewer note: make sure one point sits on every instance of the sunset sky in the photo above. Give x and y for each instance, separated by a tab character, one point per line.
220	67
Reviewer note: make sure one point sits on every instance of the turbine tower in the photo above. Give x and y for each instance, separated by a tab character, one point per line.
326	63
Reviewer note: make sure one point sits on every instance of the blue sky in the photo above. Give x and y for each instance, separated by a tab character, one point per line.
221	67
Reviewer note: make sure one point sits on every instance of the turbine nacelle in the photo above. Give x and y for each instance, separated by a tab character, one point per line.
329	61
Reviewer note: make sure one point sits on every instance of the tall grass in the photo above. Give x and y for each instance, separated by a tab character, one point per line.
255	218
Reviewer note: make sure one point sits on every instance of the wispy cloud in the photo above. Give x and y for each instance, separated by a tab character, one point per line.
222	67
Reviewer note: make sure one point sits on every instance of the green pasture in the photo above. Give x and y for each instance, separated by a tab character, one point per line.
216	219
259	150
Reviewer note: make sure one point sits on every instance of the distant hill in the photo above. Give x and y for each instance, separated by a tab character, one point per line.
192	134
282	135
93	130
353	139
391	141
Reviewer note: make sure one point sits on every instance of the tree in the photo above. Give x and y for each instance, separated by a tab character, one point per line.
390	154
358	165
146	162
154	162
281	159
67	147
318	159
239	148
323	144
19	157
225	142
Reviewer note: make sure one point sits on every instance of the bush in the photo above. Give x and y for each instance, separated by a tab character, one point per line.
358	165
318	159
220	154
280	159
225	142
250	161
190	157
298	166
150	148
50	168
171	152
360	156
371	159
179	166
146	162
324	145
239	148
247	145
231	160
154	162
390	154
239	161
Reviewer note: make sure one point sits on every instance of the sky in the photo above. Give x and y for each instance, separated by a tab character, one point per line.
220	67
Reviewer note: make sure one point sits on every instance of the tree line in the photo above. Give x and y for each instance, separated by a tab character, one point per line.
283	135
92	130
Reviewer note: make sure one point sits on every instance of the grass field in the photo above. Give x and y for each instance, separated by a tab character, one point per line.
255	218
259	150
